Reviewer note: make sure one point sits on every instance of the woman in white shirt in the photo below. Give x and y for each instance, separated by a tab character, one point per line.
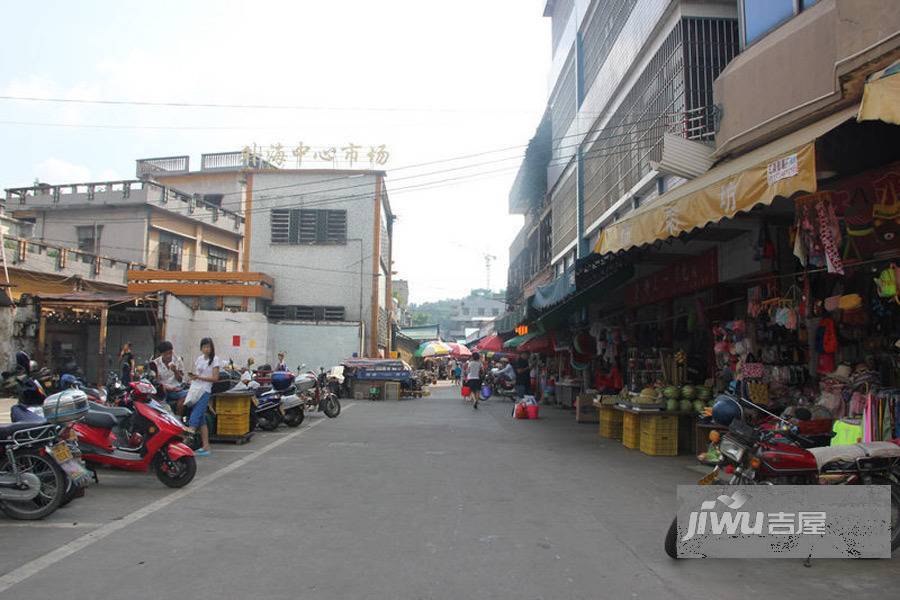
473	378
206	372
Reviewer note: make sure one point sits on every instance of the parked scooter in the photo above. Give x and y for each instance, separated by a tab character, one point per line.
748	455
41	469
143	436
316	394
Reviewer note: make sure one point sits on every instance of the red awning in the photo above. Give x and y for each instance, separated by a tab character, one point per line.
492	343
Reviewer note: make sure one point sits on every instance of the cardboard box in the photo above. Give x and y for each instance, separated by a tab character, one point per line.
585	411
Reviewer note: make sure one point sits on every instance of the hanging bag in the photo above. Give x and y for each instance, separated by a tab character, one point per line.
752	369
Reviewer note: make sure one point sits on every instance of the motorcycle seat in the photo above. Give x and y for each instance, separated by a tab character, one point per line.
829	455
106	417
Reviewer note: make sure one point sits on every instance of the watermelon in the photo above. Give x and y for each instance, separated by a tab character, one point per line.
686	405
672	404
671	392
698	406
688	392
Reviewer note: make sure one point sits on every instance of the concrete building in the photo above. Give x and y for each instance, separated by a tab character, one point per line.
472	313
323	235
630	91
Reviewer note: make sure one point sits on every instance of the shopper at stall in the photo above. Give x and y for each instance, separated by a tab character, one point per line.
474	370
170	373
206	372
523	375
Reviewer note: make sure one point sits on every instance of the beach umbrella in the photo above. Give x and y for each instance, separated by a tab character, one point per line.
492	343
435	348
459	351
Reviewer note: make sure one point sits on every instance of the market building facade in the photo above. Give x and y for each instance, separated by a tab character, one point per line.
769	265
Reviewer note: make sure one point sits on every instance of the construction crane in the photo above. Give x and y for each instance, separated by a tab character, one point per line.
488	259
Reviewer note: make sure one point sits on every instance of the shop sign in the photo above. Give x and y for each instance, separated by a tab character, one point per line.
691	275
782	168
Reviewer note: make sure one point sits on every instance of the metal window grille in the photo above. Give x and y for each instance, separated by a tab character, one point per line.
170	252
561	13
302	226
562	109
216	259
600	34
564	202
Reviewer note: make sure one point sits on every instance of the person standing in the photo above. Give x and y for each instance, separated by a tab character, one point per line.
523	375
170	372
473	378
281	365
206	372
126	357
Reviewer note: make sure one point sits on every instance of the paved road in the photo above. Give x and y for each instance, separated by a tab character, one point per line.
394	500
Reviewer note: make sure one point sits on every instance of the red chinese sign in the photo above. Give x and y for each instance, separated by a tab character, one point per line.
691	275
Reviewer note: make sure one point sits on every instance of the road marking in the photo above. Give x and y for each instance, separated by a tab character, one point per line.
51	558
41	525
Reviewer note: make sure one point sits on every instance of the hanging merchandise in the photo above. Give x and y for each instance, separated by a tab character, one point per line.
887	283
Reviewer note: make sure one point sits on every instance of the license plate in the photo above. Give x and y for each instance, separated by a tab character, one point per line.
61	452
709	478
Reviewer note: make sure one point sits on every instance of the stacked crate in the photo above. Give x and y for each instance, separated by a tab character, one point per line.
232	414
659	435
610	423
631	429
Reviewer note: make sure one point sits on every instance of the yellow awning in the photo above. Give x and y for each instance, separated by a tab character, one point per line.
782	168
881	97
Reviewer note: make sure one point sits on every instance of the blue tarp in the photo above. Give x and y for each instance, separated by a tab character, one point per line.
558	290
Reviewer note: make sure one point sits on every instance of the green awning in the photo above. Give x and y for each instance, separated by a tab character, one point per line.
520	339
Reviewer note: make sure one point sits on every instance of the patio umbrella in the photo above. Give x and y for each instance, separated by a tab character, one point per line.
492	343
436	348
459	351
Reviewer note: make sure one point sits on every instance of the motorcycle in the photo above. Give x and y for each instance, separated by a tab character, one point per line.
141	436
316	394
501	386
748	455
41	469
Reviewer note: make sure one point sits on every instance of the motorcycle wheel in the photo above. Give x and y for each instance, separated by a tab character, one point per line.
269	421
182	474
53	486
331	407
294	417
72	492
672	539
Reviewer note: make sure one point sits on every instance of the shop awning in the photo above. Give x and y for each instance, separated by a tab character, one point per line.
542	343
881	97
519	340
554	292
782	168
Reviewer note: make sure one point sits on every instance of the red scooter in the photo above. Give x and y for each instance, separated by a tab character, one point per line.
142	437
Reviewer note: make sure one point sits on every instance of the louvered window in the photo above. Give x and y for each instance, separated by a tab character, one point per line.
301	226
306	313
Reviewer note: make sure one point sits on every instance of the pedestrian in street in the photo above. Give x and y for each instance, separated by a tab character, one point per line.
170	373
474	371
126	357
206	372
451	366
523	375
457	374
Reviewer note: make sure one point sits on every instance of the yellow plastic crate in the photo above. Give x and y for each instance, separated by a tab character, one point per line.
232	405
232	424
664	444
656	424
631	430
610	423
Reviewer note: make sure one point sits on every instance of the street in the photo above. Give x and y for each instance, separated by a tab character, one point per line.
423	498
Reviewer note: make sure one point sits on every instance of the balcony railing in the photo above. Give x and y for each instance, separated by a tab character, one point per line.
167	164
44	196
37	256
230	161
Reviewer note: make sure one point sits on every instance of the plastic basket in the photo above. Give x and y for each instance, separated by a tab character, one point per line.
610	423
653	424
232	424
235	406
631	430
663	444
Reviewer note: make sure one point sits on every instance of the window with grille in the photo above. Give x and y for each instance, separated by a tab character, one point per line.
216	259
303	226
171	249
306	313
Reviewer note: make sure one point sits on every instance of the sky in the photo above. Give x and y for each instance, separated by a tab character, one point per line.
431	80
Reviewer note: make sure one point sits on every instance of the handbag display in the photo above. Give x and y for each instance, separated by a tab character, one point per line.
751	369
